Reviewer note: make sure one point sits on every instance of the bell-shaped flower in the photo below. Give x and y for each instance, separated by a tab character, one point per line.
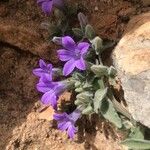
47	5
51	90
46	70
66	122
73	54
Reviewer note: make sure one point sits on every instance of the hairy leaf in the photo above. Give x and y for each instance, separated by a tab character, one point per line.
100	70
97	44
78	32
99	96
137	133
112	71
137	144
89	32
88	110
82	19
109	113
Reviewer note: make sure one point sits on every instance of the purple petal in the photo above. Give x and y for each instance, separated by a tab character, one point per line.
71	131
68	67
42	64
41	1
49	67
38	72
42	87
63	125
47	6
64	55
83	46
49	98
59	117
68	43
80	64
75	115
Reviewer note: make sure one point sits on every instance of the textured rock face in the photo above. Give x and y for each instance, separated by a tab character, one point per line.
132	60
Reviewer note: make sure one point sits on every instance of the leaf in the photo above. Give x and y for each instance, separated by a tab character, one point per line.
112	71
88	110
137	144
84	96
109	113
78	32
80	89
77	84
100	70
99	96
47	114
137	133
97	44
83	20
84	101
89	32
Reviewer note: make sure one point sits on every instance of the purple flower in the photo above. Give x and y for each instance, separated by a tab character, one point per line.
66	122
74	54
47	5
51	90
44	70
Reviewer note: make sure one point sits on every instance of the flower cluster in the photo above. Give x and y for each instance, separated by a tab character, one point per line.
73	54
50	89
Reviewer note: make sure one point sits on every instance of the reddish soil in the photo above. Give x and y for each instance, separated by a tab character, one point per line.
20	125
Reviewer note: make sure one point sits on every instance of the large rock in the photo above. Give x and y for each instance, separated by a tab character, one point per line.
132	60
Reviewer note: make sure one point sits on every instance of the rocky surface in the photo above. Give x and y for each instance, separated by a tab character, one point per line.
132	60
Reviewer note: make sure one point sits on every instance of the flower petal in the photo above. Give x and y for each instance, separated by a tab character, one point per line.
59	117
75	115
83	46
68	67
64	55
80	64
47	6
42	87
42	64
63	125
38	72
49	98
40	1
71	131
68	43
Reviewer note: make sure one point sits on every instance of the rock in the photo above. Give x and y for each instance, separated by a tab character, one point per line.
132	60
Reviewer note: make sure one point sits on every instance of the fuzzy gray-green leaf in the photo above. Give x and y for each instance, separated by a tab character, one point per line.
99	96
100	70
89	32
108	111
78	32
112	71
88	110
97	44
137	144
137	133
